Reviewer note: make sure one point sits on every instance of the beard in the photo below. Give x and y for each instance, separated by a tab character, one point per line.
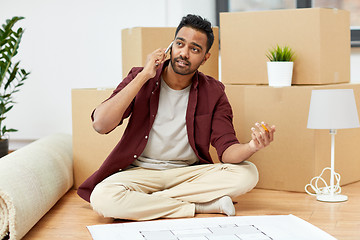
183	70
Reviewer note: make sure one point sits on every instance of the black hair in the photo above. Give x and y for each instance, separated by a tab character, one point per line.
198	23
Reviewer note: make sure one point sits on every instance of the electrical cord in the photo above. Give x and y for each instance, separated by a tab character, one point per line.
326	189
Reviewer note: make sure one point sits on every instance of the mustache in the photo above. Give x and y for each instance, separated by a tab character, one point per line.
183	59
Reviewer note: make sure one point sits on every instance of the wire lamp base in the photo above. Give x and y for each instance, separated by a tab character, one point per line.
331	198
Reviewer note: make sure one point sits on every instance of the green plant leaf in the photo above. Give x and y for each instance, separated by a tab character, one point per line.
12	77
5	130
8	109
11	130
278	54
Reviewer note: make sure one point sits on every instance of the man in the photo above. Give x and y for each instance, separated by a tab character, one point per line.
162	168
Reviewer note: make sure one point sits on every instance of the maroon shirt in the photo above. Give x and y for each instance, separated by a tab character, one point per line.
208	120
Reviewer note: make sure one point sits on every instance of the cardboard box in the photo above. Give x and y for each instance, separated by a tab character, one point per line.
297	154
90	148
319	37
138	42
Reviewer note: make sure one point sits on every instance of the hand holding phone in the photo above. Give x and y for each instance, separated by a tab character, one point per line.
166	51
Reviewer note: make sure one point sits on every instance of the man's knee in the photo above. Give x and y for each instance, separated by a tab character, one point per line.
245	176
253	174
104	197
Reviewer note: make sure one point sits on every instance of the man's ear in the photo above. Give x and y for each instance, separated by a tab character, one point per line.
206	57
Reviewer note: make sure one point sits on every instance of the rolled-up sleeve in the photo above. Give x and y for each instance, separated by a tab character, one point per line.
132	74
222	129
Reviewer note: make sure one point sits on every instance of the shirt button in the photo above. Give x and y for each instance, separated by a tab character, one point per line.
146	137
157	83
152	92
135	156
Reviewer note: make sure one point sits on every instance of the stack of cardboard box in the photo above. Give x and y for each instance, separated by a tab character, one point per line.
321	41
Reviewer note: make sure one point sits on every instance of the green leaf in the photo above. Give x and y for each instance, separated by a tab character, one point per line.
278	54
11	130
5	130
12	76
8	109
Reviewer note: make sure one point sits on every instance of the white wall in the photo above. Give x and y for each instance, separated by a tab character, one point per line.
77	44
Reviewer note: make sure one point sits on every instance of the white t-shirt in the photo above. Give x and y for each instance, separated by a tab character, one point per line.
168	145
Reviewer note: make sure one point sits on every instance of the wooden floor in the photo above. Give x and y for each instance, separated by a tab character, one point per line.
70	216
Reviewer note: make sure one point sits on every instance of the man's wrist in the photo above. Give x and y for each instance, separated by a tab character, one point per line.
144	76
251	146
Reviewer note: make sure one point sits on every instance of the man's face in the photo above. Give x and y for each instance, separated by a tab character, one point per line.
188	51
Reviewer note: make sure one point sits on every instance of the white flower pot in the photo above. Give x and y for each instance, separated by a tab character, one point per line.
280	73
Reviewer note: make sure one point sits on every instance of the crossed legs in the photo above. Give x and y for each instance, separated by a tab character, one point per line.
144	194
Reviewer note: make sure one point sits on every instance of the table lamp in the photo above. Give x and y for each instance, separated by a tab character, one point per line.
332	109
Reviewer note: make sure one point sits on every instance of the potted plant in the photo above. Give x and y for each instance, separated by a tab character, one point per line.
280	66
12	77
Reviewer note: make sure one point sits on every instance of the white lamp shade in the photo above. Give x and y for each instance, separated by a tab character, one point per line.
333	109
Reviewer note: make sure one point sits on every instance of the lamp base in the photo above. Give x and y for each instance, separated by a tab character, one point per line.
331	198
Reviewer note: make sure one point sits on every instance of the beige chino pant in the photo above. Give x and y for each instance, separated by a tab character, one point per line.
144	194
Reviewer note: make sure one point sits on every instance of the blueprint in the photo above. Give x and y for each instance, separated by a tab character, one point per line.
272	227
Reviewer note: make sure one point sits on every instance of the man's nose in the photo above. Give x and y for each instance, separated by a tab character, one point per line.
184	53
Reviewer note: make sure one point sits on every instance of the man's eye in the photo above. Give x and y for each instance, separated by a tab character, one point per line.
195	50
